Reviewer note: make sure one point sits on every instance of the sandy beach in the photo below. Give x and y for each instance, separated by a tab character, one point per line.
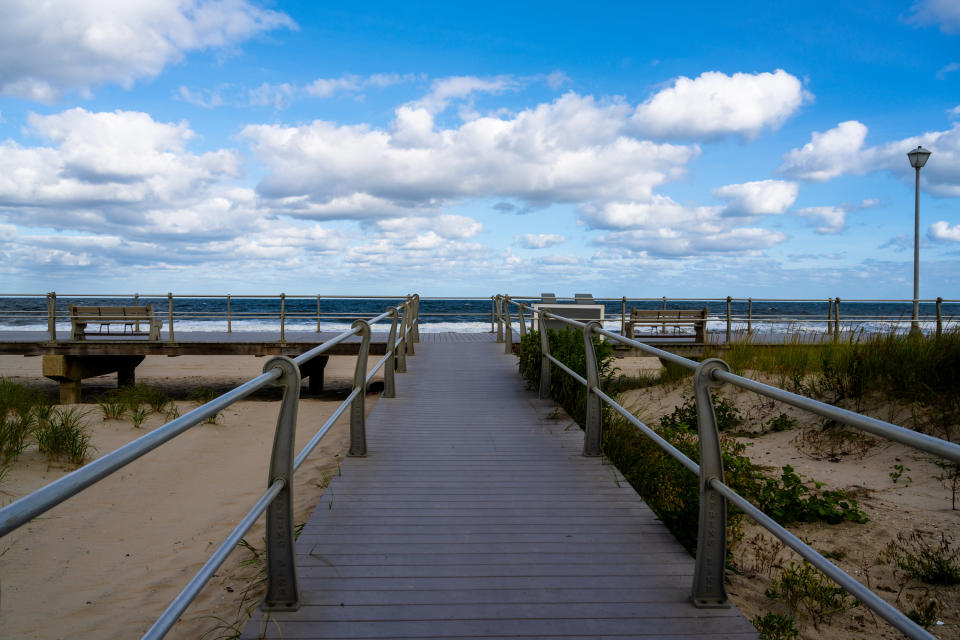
113	557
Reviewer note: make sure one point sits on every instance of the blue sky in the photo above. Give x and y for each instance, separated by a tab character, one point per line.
685	149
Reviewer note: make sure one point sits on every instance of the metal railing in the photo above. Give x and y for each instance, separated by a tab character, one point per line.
738	317
708	582
277	501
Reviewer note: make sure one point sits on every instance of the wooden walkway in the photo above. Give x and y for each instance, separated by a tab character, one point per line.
475	516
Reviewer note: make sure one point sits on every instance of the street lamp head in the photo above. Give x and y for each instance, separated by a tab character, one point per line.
918	157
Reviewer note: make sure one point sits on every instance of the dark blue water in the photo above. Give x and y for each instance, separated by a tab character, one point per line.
253	314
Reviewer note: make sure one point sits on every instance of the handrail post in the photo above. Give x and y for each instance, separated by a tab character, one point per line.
283	592
229	316
283	314
729	322
318	313
508	331
939	317
170	317
389	385
836	319
402	351
623	316
663	326
708	587
358	419
545	367
408	333
591	430
523	323
493	305
52	315
136	301
499	306
416	317
829	315
749	316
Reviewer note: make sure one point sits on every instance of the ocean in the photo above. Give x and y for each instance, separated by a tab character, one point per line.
471	315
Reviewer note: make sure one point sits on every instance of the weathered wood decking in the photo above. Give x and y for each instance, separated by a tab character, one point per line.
475	515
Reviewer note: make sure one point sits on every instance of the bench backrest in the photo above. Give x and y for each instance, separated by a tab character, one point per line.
111	314
668	314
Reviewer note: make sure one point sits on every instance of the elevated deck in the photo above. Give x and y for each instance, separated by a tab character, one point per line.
475	515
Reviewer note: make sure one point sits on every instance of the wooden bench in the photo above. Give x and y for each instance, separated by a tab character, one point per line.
113	321
677	319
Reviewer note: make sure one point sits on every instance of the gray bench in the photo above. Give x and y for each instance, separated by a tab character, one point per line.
113	321
676	319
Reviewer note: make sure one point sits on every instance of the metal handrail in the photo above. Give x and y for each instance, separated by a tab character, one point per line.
276	501
707	589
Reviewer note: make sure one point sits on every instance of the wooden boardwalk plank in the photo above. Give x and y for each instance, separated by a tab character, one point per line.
474	515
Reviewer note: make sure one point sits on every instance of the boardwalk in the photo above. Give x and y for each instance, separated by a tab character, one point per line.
476	516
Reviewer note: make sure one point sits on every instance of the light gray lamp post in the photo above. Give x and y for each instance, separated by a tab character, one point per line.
918	158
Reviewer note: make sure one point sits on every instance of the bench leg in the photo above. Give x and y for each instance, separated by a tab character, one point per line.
313	372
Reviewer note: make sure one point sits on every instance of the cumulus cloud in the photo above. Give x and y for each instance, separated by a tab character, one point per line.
570	150
945	13
443	90
666	242
539	240
277	95
47	48
828	154
763	197
715	105
944	231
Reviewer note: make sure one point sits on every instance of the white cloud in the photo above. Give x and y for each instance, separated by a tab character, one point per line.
840	150
570	150
763	197
443	90
950	68
944	231
443	226
827	220
945	13
675	243
47	48
278	95
207	99
955	112
715	105
828	154
539	240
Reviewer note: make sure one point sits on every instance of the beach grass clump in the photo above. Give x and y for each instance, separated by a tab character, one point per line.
135	403
807	591
925	557
64	436
21	409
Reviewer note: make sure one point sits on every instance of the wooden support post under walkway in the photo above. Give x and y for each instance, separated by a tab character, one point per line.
474	514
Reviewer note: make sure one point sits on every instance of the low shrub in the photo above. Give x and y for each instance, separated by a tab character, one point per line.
923	557
788	499
805	590
774	626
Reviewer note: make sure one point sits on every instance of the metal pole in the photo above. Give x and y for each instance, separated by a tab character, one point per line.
915	323
623	316
229	316
170	316
663	327
499	305
591	429
829	313
136	301
358	431
52	315
836	319
283	314
408	334
508	331
939	317
402	352
749	316
283	593
389	385
318	314
493	328
708	588
523	323
416	317
729	322
545	367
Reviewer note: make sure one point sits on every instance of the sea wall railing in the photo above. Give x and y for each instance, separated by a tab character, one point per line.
277	501
742	316
708	582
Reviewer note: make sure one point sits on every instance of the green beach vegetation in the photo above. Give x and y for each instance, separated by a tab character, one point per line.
27	417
